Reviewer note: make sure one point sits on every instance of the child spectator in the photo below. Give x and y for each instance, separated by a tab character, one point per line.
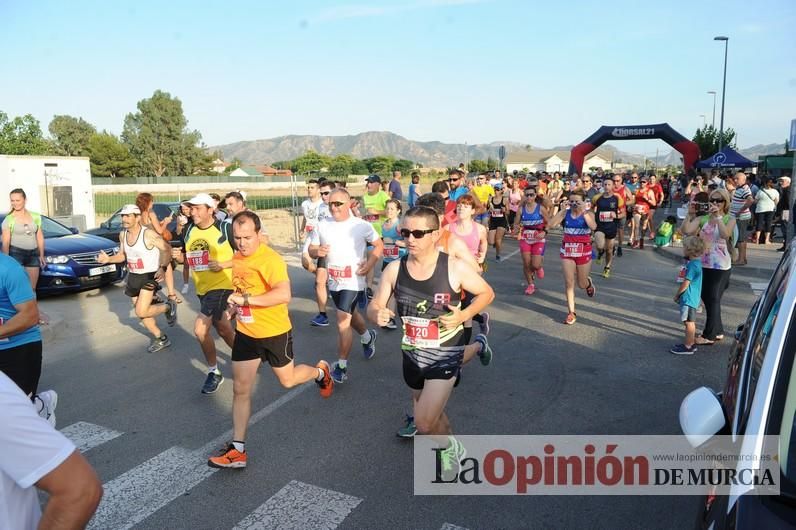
689	292
663	236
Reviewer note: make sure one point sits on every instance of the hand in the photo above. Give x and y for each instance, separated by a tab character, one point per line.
383	316
159	275
364	268
452	319
323	251
176	253
102	258
235	299
42	262
713	209
677	298
214	266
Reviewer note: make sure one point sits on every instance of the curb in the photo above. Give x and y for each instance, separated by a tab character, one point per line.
754	273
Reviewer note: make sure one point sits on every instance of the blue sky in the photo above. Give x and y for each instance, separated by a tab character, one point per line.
544	73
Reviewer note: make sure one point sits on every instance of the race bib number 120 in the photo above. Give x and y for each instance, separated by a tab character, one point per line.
421	332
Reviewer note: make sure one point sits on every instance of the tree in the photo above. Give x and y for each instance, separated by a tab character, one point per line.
109	157
359	168
477	166
707	138
379	165
233	165
71	135
491	164
158	137
309	162
22	136
341	165
403	165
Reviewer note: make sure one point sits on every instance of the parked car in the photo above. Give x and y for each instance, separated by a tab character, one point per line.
759	398
72	259
111	228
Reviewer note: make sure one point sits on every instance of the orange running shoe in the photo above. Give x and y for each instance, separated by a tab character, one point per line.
326	385
228	458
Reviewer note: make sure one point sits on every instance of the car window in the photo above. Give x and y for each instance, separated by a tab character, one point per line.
52	228
115	222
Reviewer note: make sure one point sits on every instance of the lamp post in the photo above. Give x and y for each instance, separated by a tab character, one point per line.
723	88
714	106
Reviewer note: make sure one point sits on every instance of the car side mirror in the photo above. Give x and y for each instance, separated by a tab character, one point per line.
74	230
701	416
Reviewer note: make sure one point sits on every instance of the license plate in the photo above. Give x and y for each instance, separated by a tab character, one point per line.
96	271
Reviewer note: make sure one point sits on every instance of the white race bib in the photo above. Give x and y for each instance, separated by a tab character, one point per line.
421	332
198	260
245	314
606	217
572	250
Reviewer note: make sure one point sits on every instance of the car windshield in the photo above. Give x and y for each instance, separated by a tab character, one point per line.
52	228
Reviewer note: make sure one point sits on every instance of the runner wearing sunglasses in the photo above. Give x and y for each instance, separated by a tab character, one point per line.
321	294
607	208
531	229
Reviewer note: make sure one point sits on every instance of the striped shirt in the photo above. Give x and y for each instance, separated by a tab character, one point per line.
737	206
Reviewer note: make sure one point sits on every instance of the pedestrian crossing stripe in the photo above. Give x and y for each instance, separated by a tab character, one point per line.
448	526
87	436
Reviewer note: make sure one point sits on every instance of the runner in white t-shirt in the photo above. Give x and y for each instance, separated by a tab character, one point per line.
33	453
322	213
342	243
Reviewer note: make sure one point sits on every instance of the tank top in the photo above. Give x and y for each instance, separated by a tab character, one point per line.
420	304
533	225
515	198
496	210
140	258
577	237
392	251
471	240
606	209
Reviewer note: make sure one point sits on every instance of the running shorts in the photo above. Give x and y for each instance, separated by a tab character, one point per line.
415	377
498	222
214	303
276	351
346	301
609	231
534	249
136	282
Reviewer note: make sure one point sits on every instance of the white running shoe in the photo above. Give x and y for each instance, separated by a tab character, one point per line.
184	289
47	401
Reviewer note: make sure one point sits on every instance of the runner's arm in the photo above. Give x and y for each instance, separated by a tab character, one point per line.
278	294
154	240
373	256
472	282
458	249
27	316
378	305
75	491
589	218
483	243
119	257
557	218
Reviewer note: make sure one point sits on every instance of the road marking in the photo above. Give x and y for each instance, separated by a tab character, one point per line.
141	491
502	259
448	526
86	435
758	287
299	505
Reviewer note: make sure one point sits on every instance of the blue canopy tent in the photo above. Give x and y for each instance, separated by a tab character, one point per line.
726	158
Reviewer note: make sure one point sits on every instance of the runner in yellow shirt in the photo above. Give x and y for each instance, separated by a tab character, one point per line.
483	192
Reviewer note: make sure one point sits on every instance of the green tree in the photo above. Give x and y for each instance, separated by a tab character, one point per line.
492	164
22	136
380	165
71	135
109	157
341	165
403	165
477	166
233	165
359	168
159	139
707	138
310	162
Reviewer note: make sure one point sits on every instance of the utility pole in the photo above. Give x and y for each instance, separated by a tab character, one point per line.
726	41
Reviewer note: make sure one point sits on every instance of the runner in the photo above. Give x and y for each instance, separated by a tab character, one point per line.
657	190
148	257
208	252
515	201
264	332
149	219
607	207
321	294
457	184
394	244
531	229
578	224
483	192
374	203
621	190
342	242
429	286
498	209
182	226
645	201
309	211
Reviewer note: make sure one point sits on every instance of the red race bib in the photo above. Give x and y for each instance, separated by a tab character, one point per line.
135	265
572	250
391	251
339	273
198	260
421	332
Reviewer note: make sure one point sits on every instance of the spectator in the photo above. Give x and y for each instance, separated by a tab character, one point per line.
414	190
23	238
766	200
783	211
149	219
742	200
34	453
395	190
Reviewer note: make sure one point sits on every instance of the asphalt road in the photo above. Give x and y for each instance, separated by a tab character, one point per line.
337	463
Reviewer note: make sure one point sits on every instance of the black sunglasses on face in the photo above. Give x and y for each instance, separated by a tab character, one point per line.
717	201
336	204
417	234
325	193
453	179
532	194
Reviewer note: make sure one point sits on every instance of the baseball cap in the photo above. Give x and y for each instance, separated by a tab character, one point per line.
203	198
373	178
128	209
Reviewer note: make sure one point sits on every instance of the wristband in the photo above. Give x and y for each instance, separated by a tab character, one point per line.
245	299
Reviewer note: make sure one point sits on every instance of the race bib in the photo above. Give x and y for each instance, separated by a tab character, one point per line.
606	217
496	213
198	260
531	236
681	274
572	250
339	273
371	218
245	314
135	265
642	209
421	332
391	251
309	228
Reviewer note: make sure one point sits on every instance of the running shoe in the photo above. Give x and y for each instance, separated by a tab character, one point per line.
369	292
540	273
390	324
606	272
171	312
451	459
47	401
229	458
530	289
613	250
157	344
619	252
339	375
591	290
485	355
320	321
213	381
571	319
497	259
409	429
635	245
599	257
369	348
484	322
184	289
682	349
325	385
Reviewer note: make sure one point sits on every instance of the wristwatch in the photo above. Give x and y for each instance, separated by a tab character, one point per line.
246	299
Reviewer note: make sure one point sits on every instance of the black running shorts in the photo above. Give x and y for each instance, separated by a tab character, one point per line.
276	351
609	231
136	282
346	301
214	303
415	377
22	364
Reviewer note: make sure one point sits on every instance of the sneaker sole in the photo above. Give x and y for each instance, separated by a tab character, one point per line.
405	435
319	325
682	352
232	465
214	390
160	347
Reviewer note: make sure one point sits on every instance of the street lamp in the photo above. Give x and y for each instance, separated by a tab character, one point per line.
714	106
723	88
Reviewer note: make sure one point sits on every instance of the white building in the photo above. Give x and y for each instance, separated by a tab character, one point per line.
56	186
551	160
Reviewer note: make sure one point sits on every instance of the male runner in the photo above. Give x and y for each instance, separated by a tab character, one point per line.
457	184
147	256
208	252
342	242
428	285
309	211
321	276
374	203
483	191
607	208
629	199
262	293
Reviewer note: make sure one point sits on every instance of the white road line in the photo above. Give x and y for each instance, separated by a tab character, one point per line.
138	493
510	255
298	506
86	435
448	526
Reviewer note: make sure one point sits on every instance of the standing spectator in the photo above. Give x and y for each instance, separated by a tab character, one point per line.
34	453
783	211
149	219
395	187
23	238
414	190
742	200
766	200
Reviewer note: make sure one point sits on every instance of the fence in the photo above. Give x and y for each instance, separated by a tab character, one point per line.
191	179
107	203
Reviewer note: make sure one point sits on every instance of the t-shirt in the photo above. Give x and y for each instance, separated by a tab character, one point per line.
377	201
29	450
23	235
203	245
310	211
739	197
15	289
457	192
413	194
693	273
256	275
484	192
395	189
766	200
347	241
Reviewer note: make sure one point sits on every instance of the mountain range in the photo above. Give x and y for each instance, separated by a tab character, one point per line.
430	154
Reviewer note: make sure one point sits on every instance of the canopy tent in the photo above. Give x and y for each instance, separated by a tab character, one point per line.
727	157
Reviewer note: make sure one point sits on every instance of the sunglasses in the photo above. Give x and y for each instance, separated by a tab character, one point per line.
417	234
717	201
586	180
530	195
336	204
453	179
325	193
